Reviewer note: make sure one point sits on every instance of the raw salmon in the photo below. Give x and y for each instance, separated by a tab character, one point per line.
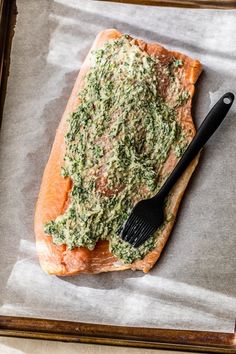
54	190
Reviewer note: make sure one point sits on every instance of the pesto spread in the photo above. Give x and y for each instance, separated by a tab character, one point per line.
117	141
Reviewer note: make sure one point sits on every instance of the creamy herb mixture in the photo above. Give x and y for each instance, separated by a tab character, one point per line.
117	141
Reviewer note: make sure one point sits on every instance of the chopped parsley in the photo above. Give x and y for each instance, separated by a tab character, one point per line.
176	63
182	98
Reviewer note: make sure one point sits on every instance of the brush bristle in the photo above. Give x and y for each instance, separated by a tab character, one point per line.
136	230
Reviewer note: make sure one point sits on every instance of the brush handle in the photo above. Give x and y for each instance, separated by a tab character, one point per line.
205	131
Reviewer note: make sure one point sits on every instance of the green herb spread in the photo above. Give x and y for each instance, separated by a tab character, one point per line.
117	142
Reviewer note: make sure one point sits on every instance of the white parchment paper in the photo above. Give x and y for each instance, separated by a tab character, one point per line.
193	285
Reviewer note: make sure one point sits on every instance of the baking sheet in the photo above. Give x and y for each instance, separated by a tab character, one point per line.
193	285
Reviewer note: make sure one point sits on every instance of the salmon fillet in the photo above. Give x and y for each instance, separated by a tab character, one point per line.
53	196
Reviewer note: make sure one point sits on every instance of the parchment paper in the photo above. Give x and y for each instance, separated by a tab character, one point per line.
193	284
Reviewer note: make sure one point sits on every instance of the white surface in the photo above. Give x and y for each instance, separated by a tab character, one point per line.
193	286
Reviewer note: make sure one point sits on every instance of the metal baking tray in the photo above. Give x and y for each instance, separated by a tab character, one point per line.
97	333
